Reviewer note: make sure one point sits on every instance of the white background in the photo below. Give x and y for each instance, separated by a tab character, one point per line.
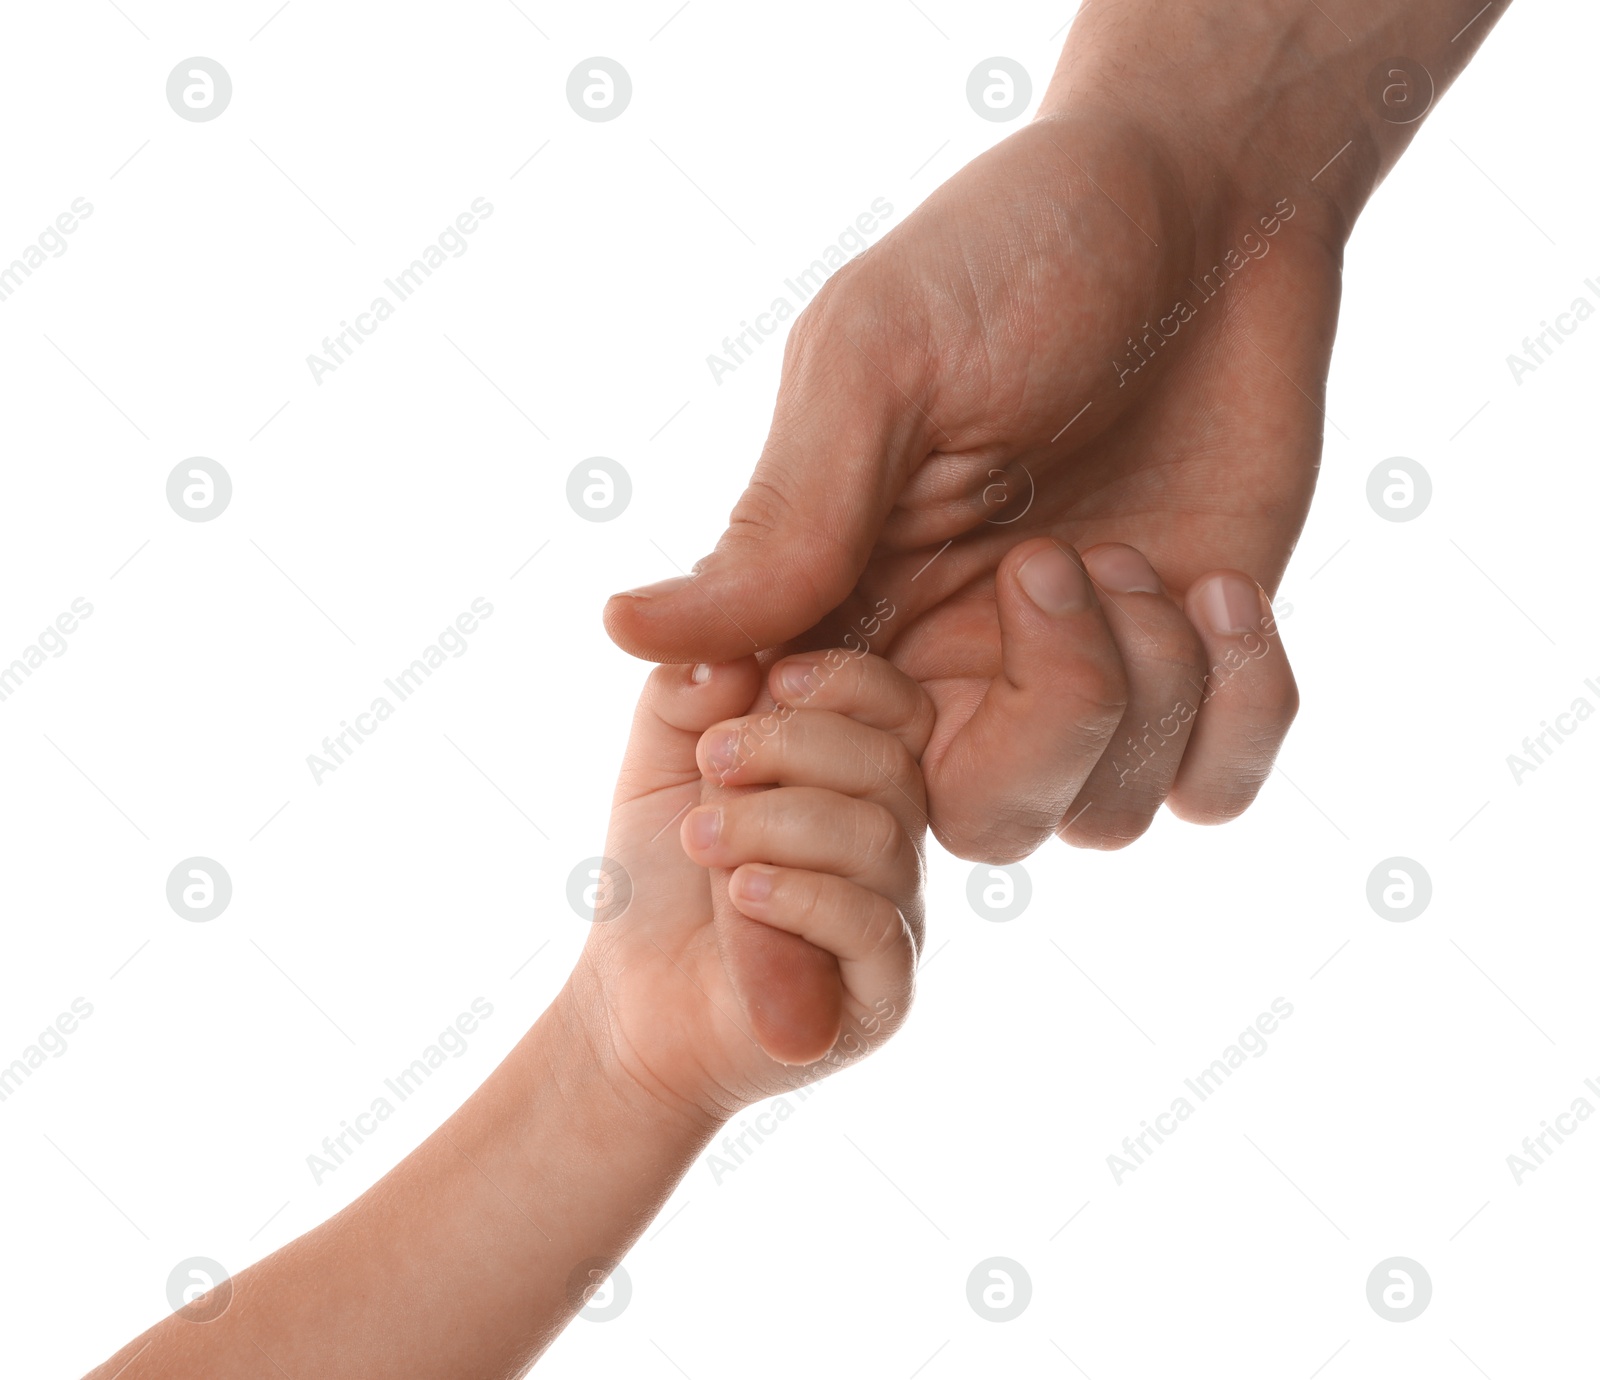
374	508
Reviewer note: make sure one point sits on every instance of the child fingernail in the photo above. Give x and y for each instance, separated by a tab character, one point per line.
722	750
1051	578
755	882
796	680
701	673
704	827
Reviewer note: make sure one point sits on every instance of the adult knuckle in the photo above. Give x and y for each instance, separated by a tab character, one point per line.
838	310
1097	698
1177	649
762	508
1280	705
1225	796
1095	672
996	838
1106	831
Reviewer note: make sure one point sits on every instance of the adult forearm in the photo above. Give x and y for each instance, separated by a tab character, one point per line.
474	1252
1269	98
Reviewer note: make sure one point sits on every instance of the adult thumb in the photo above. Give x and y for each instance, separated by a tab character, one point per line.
843	441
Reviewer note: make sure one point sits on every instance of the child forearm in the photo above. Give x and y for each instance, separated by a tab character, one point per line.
469	1258
473	1253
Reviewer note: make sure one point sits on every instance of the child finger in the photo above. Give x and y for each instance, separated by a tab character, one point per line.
871	937
678	704
800	826
816	748
867	688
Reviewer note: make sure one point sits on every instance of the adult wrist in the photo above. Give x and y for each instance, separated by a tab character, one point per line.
1245	104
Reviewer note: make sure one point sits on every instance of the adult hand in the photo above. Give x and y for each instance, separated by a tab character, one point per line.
1099	349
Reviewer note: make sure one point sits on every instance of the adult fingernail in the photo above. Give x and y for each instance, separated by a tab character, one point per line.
1122	570
1232	605
1052	579
658	589
704	826
755	882
722	750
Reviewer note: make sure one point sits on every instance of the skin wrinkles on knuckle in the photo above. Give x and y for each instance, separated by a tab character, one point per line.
1218	809
1099	687
997	841
846	759
1175	652
879	768
877	841
903	706
1036	813
891	771
1110	833
821	358
802	897
1090	698
814	338
752	822
1224	797
1258	722
1079	715
902	721
906	936
765	510
1085	727
908	904
883	926
902	701
851	307
831	308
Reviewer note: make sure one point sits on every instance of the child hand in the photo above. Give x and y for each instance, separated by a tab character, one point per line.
803	821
